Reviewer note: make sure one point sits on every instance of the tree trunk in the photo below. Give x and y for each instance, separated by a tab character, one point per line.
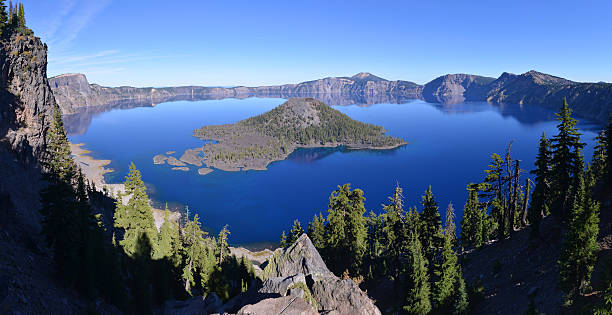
526	202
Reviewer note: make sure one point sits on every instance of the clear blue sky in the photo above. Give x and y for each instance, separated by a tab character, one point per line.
165	43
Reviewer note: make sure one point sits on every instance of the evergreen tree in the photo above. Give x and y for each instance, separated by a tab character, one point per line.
461	303
599	156
540	202
472	222
164	249
564	146
446	271
135	217
347	233
608	172
283	240
316	231
492	191
431	229
295	232
21	15
579	248
222	245
10	13
417	279
394	230
193	238
3	16
375	241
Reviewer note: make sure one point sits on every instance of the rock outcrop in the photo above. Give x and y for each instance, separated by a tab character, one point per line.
27	276
74	93
299	273
456	88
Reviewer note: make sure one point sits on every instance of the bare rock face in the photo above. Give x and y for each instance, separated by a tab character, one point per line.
456	88
286	269
27	102
282	305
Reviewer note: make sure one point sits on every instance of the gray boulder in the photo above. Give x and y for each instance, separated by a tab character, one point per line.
300	258
282	305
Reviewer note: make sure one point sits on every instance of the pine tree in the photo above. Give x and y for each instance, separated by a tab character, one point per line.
461	303
394	230
347	233
472	221
540	202
135	217
599	156
446	271
283	240
316	231
579	248
164	249
564	146
295	232
222	245
375	241
193	238
417	282
10	13
3	16
431	229
21	14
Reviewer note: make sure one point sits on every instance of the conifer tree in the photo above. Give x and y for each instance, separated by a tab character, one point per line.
599	156
461	302
222	245
492	190
165	248
283	240
417	282
347	233
564	146
375	241
446	271
394	230
540	202
10	13
3	16
135	217
608	170
193	238
21	15
472	221
579	248
316	231
295	232
431	229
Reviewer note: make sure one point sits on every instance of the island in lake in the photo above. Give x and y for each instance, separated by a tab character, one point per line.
253	143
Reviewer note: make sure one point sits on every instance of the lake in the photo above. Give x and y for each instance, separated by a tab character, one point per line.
449	147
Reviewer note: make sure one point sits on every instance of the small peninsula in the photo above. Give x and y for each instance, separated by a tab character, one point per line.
253	143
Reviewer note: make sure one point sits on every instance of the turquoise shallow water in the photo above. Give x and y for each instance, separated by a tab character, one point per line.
449	146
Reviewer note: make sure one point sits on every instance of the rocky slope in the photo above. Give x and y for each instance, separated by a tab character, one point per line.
72	91
590	100
27	281
293	281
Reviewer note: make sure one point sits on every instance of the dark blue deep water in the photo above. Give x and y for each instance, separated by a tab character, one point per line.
449	147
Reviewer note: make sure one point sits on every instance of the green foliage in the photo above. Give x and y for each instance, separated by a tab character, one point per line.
599	160
316	231
346	241
474	221
394	232
446	272
461	300
540	201
431	228
579	248
283	241
295	232
417	279
135	217
564	160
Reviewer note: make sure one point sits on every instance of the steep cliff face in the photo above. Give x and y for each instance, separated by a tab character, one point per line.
456	88
27	101
27	278
590	100
73	92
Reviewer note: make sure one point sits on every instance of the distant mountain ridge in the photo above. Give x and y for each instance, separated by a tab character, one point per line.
590	100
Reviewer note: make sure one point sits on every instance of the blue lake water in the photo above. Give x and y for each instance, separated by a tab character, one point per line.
449	147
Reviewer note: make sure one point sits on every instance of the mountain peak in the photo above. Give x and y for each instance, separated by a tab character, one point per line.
366	76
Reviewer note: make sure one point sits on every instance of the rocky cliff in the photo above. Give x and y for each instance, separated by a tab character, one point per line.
27	276
456	88
591	100
293	281
72	91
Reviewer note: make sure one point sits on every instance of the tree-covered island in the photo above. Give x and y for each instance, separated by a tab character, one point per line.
253	143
